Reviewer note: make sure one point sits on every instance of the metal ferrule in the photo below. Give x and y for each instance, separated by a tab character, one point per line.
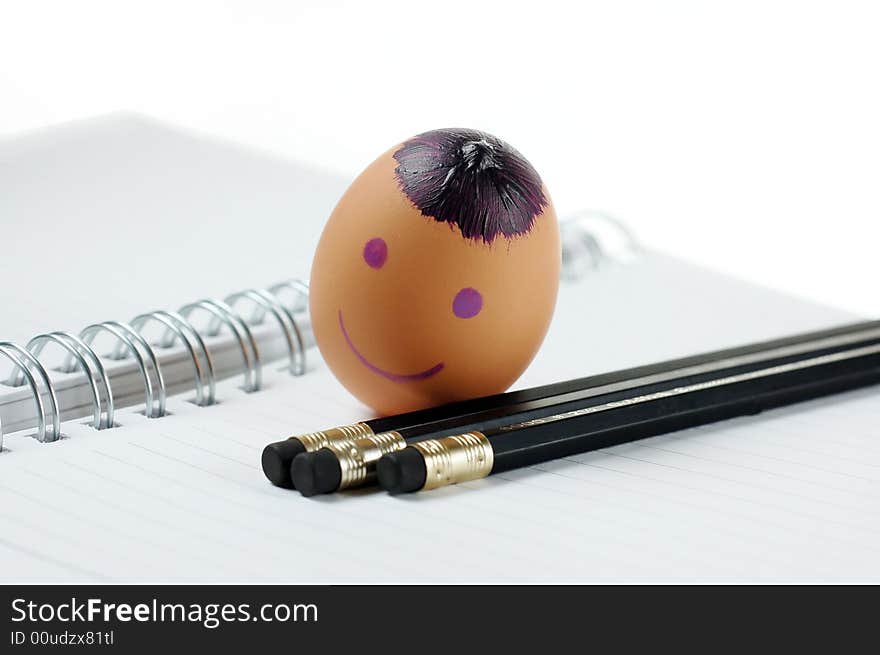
358	457
316	440
455	459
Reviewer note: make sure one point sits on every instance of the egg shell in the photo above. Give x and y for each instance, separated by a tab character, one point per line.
388	320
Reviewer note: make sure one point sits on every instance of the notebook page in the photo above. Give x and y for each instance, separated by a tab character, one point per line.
790	495
154	496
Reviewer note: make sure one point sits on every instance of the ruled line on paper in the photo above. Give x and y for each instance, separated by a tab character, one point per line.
47	558
749	485
817	520
729	511
757	469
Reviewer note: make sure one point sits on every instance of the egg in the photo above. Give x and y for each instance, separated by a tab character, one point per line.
436	275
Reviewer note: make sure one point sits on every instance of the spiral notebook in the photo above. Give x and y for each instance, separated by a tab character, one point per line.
169	488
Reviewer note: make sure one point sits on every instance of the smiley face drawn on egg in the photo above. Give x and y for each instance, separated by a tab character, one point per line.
436	275
467	303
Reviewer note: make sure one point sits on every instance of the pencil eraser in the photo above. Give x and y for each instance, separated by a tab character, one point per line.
316	473
402	472
436	275
276	461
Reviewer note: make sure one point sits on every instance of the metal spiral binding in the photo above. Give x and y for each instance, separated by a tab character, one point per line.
591	239
131	344
266	302
90	364
22	358
253	376
179	327
143	354
300	288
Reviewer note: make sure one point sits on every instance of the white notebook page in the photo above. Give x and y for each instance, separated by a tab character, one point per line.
791	495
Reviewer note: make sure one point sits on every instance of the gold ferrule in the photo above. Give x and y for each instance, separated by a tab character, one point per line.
316	440
460	458
358	457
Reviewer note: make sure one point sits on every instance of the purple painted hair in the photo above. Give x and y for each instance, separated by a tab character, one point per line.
470	179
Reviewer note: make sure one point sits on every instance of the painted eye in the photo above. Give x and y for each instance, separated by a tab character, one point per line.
467	303
375	252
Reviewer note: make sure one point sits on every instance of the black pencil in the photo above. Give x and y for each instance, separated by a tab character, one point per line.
278	456
346	463
788	375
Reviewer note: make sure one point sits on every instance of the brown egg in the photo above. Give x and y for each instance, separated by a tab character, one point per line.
436	275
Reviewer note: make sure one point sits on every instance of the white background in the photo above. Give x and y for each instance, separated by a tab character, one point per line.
742	135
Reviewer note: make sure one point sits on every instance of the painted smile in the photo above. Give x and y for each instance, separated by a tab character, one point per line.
394	377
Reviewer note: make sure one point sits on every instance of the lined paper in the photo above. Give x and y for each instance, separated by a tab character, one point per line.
791	495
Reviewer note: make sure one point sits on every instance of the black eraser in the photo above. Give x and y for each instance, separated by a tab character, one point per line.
276	461
402	472
316	473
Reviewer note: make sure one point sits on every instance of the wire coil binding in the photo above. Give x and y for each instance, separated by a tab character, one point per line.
80	354
591	239
91	365
22	359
